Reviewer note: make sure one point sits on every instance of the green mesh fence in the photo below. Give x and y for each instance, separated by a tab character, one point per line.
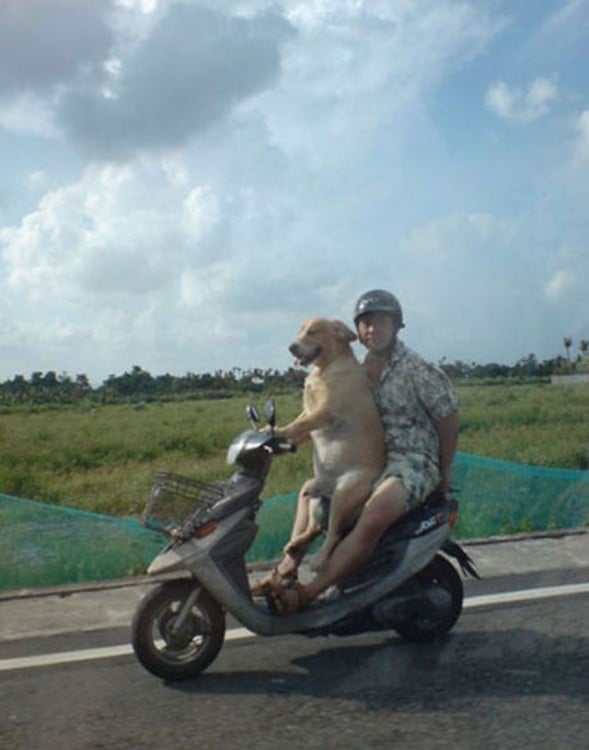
46	545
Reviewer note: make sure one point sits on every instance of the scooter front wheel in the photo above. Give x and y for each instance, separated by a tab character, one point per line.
174	644
433	622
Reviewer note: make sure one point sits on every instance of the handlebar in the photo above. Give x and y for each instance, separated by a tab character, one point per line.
282	445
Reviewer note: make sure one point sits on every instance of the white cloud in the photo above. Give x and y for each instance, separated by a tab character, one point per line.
145	6
480	287
269	161
582	144
359	71
118	230
28	113
560	284
144	251
511	103
453	270
567	273
37	179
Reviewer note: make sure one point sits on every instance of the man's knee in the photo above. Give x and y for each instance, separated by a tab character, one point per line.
389	493
385	506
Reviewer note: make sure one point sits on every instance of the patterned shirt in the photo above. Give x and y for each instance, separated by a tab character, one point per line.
412	397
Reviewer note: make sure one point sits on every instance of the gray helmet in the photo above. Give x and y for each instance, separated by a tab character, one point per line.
378	300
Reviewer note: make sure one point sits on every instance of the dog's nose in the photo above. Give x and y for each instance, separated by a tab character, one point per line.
294	348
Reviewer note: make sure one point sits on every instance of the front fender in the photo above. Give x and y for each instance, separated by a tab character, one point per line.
167	561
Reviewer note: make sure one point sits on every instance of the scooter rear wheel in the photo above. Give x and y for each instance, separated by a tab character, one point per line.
427	625
177	653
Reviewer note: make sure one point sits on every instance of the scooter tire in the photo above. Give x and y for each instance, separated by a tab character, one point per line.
423	627
177	656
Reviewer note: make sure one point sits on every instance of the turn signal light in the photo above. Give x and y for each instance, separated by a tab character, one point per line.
453	518
205	530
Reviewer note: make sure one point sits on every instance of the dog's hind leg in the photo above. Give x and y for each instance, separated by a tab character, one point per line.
299	544
305	527
350	494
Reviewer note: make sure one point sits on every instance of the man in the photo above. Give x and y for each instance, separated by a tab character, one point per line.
419	411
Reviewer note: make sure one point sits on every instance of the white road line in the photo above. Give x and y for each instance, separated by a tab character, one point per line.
65	657
109	652
90	654
526	595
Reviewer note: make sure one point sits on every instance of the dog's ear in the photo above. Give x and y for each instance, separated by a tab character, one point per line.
342	332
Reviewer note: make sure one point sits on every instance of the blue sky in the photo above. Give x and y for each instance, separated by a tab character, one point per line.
184	181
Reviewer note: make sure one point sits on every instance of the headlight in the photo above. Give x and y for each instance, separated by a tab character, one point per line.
247	441
234	450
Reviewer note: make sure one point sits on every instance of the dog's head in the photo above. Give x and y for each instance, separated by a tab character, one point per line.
320	341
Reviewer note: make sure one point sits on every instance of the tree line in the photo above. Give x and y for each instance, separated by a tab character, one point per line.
138	384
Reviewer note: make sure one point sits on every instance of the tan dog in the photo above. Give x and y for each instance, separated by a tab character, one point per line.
340	416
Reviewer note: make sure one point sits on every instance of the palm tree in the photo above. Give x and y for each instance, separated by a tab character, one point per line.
568	342
583	346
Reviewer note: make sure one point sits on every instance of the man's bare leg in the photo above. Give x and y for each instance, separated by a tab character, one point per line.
385	506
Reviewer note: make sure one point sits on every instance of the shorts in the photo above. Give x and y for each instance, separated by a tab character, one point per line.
418	474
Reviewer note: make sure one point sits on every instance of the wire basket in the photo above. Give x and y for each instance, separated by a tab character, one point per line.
174	498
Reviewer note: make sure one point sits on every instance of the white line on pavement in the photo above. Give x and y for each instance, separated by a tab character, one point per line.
526	595
108	652
90	654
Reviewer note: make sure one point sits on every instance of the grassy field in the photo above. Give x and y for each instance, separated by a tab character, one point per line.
102	459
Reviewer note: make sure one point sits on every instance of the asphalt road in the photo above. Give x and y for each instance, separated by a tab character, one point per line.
512	675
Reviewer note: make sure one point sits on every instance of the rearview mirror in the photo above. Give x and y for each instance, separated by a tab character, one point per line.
252	414
270	412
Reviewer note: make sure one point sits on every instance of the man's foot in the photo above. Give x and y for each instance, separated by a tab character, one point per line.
287	601
283	575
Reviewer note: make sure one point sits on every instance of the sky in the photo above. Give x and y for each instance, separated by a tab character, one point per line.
183	182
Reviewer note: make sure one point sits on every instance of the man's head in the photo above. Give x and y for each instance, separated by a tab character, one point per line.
378	317
379	300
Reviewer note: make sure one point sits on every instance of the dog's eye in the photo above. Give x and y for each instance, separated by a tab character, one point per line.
311	332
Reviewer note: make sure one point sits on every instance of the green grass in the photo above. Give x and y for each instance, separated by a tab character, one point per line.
102	459
541	425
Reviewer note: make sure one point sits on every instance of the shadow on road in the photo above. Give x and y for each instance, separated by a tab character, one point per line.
465	666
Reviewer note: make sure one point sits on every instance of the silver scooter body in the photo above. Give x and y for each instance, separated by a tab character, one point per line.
208	552
195	557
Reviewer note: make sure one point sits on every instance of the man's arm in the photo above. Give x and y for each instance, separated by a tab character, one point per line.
448	428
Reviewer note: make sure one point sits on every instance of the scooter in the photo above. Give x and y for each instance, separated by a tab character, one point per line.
179	627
